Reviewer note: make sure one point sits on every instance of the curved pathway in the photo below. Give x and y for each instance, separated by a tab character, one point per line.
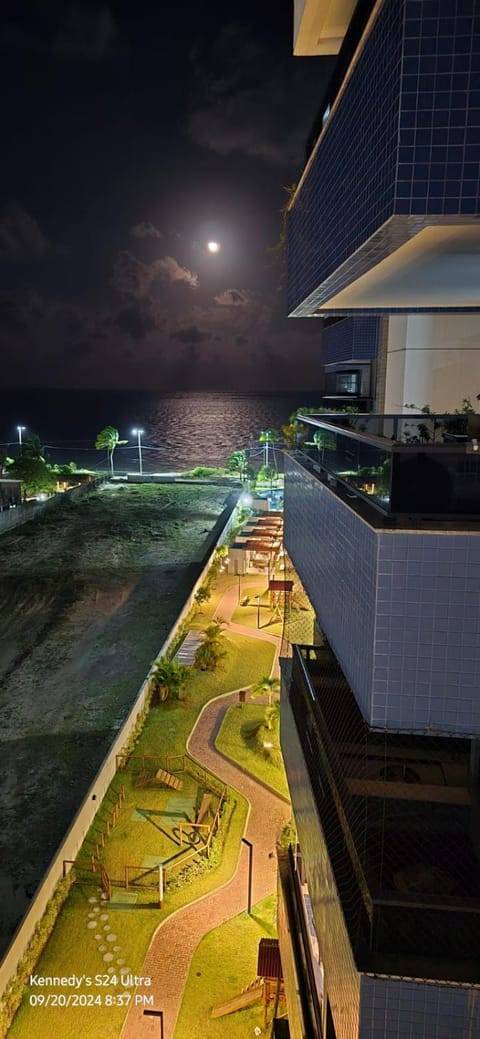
168	959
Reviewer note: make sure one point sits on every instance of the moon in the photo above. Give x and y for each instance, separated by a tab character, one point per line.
213	247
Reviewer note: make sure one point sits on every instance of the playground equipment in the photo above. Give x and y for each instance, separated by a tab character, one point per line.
249	995
160	776
266	988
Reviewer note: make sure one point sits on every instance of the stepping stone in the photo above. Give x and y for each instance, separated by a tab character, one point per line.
104	916
119	962
110	970
97	937
116	948
108	956
92	923
91	916
96	910
106	927
102	948
125	970
93	899
111	937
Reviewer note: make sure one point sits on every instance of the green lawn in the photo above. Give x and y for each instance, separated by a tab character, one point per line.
237	739
225	962
247	614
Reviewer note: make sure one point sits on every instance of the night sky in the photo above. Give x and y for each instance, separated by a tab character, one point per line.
134	133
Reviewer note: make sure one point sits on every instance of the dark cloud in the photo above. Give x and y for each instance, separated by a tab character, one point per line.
190	334
85	33
135	322
233	298
134	278
174	272
145	230
21	238
261	103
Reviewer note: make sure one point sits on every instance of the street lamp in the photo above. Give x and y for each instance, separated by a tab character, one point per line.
250	873
138	433
20	430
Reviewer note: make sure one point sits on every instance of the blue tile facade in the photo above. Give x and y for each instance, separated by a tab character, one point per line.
355	339
398	1009
384	171
335	556
401	610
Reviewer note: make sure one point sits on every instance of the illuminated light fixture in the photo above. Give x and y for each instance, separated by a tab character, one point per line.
138	433
213	247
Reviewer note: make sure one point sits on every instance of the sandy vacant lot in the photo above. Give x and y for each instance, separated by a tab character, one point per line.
88	593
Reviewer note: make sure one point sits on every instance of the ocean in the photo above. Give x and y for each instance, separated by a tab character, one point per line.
181	430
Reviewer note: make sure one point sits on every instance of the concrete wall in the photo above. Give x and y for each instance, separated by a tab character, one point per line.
11	518
432	359
82	821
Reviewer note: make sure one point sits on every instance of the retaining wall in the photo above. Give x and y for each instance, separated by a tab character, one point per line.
83	819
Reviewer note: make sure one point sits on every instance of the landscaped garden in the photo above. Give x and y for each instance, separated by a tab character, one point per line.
93	936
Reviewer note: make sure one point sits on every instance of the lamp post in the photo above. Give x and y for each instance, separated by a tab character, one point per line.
258	597
138	433
20	430
250	873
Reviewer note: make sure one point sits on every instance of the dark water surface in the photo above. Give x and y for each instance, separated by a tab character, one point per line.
181	429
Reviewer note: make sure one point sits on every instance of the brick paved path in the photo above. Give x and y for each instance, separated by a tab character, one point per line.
168	958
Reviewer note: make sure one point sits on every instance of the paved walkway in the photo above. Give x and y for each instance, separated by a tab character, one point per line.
168	959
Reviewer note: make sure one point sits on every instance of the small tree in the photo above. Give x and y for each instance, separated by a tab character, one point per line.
108	439
168	678
265	687
211	651
272	714
34	473
202	595
237	462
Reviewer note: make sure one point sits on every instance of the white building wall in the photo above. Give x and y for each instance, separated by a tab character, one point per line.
432	359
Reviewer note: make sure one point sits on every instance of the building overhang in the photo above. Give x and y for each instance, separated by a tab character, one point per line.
320	26
411	264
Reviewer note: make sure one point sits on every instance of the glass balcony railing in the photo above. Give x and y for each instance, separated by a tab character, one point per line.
400	826
428	464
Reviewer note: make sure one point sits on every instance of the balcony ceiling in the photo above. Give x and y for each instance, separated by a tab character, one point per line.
438	268
320	26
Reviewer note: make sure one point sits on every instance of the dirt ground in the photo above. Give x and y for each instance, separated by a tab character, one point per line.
88	592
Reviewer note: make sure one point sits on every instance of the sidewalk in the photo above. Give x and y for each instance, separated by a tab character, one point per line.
168	958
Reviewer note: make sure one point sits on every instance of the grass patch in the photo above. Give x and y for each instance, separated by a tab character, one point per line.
241	738
224	962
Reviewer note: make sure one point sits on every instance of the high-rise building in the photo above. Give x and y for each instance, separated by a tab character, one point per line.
379	909
383	226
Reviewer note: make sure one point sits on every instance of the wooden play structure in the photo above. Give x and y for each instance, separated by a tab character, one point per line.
264	989
159	776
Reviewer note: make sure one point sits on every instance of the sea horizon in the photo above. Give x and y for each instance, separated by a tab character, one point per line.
181	428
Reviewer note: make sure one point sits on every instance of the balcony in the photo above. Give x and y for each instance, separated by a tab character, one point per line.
400	826
401	466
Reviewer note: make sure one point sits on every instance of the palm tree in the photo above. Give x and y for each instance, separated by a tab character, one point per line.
211	650
108	439
237	462
272	713
169	677
265	687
